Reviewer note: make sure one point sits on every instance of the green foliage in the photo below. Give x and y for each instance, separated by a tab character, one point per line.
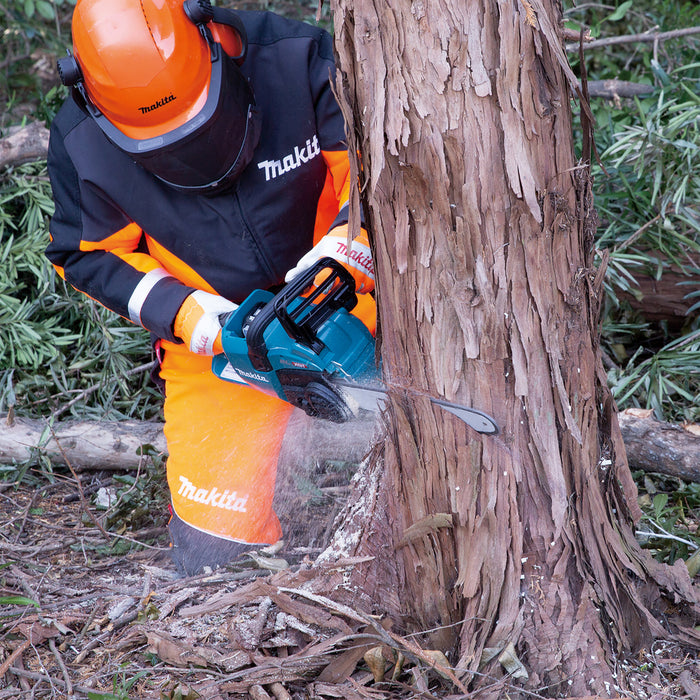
654	162
17	600
122	686
648	198
28	338
50	102
304	10
633	61
671	517
34	33
12	606
56	344
596	19
668	381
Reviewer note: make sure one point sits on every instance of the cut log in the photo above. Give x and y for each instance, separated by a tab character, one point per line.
108	445
84	444
655	446
664	299
25	145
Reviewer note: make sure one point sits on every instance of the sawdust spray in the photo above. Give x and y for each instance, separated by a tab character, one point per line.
317	461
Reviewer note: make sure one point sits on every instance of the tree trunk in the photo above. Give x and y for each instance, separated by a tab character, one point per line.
482	230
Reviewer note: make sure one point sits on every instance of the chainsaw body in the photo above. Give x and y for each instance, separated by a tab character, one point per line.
294	344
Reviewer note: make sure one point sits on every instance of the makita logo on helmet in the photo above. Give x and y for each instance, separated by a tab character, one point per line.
299	156
159	103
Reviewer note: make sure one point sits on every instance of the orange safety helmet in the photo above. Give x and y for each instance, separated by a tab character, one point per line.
161	78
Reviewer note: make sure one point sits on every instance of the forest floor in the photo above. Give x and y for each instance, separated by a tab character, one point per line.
91	612
92	607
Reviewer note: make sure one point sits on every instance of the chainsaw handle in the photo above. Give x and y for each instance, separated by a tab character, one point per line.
302	321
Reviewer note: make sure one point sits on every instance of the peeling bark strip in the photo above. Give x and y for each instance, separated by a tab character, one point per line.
482	229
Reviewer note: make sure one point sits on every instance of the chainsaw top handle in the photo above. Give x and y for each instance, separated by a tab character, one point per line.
301	308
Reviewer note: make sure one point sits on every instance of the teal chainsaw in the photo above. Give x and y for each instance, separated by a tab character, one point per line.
304	346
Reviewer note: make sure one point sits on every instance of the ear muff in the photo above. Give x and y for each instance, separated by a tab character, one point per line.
202	12
69	70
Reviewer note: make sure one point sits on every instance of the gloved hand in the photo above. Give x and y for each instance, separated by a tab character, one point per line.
197	322
358	260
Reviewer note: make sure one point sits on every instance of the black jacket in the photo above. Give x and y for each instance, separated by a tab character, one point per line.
114	222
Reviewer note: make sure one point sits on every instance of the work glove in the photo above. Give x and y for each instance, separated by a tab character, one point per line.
197	322
357	260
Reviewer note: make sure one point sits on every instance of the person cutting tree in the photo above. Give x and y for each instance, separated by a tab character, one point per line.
201	156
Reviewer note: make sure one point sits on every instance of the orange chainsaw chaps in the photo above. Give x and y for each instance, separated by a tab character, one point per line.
223	444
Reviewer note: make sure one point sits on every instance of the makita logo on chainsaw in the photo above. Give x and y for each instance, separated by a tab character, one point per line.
253	375
159	103
299	156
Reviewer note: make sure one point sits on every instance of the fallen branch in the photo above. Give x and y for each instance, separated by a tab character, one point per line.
81	396
85	444
646	37
617	89
117	445
25	145
655	446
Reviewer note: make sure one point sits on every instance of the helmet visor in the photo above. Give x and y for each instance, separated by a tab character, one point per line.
208	152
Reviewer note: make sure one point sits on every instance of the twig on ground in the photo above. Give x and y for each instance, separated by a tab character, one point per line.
665	535
125	619
20	672
62	666
7	665
30	505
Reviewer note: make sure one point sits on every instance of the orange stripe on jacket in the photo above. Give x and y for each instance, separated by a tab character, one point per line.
335	191
123	244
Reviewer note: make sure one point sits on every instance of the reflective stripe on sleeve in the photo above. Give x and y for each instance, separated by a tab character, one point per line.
141	292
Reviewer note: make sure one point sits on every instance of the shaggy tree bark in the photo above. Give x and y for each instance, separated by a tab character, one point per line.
487	296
